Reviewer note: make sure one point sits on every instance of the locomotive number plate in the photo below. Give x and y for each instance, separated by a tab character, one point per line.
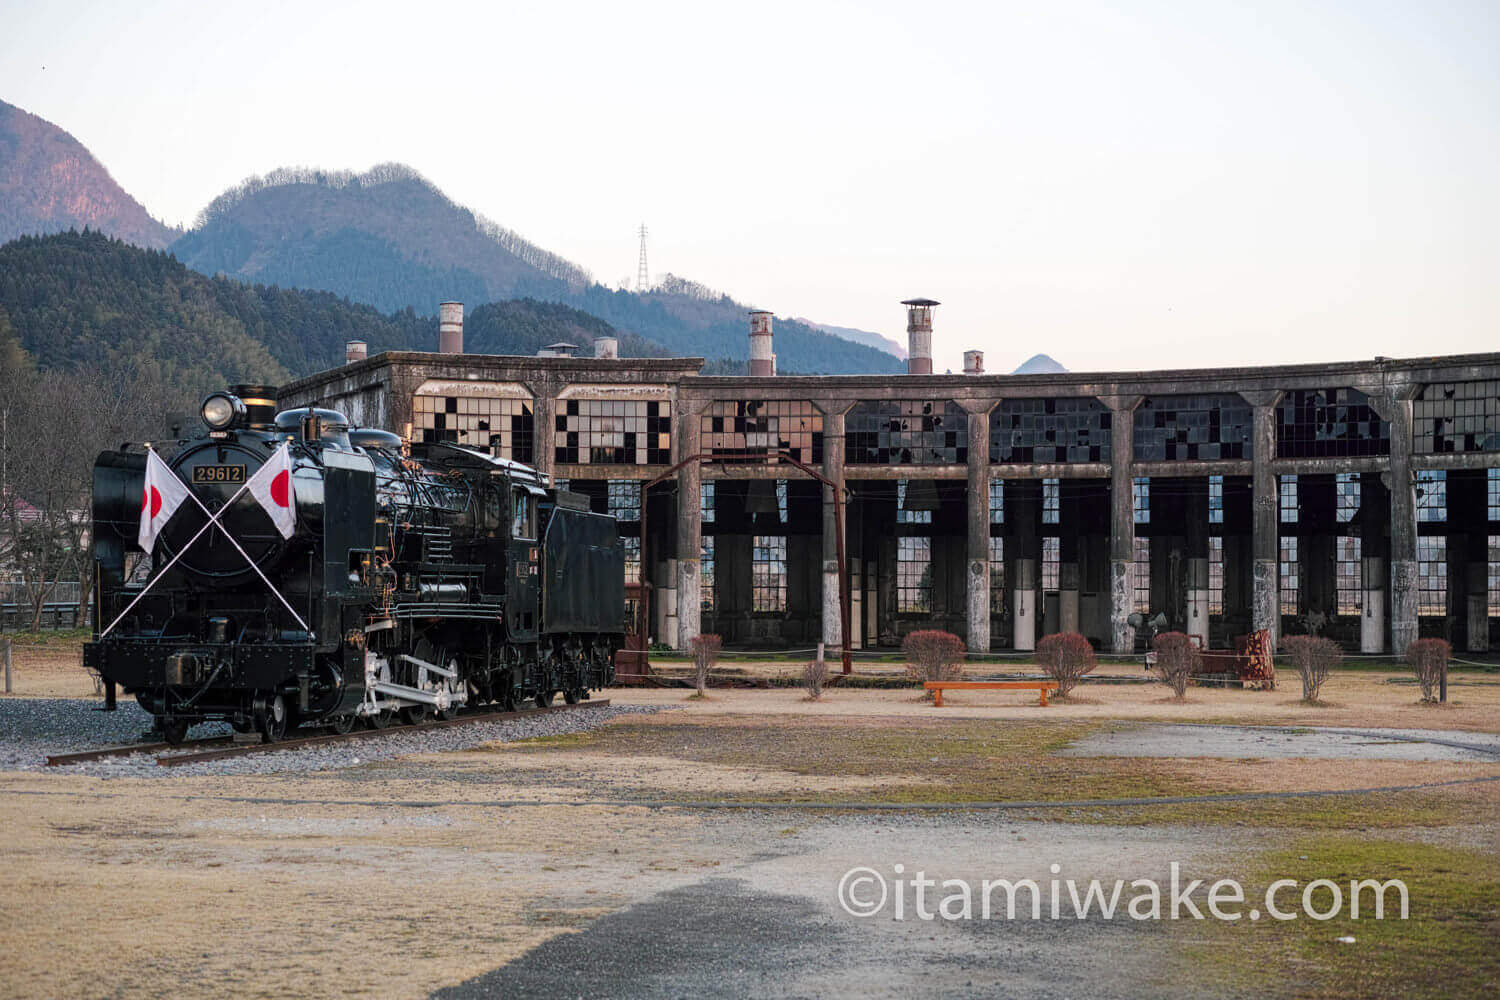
218	474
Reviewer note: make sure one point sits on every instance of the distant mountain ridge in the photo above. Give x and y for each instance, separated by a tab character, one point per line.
390	238
88	301
49	183
866	337
1039	364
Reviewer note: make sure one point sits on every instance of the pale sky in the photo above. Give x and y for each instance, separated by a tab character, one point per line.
1154	184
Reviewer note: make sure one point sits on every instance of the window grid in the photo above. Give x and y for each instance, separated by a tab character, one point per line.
1432	575
1216	575
997	575
997	501
1456	416
907	432
706	502
632	546
904	516
1291	580
768	573
1288	490
1494	494
1050	430
1185	428
1140	499
781	499
504	427
1432	496
1051	501
613	432
1349	576
1329	423
706	575
737	427
625	499
1215	499
1141	584
913	575
1051	563
1494	575
1347	485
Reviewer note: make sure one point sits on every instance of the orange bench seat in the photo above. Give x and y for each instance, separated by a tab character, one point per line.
938	687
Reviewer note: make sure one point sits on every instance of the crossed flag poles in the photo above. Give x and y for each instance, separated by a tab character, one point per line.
271	486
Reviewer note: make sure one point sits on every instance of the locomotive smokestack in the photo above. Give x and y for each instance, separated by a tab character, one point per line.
607	348
762	359
451	328
919	336
355	350
973	362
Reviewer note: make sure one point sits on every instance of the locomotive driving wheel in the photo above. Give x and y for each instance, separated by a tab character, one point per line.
174	731
270	717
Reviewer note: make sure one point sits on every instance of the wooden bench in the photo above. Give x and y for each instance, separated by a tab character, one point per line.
938	687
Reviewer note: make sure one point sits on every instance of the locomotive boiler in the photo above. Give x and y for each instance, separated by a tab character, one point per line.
405	582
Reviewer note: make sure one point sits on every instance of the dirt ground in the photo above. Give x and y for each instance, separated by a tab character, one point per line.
50	672
474	870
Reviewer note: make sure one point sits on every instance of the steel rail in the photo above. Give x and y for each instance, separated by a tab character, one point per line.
126	749
247	749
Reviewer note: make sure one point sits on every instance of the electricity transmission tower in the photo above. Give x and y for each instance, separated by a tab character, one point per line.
643	274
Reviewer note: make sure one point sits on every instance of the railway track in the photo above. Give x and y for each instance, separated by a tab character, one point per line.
224	747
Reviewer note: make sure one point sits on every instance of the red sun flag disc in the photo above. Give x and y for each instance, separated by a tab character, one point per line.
280	489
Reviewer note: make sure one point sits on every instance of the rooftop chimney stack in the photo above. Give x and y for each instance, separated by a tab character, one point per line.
919	336
762	360
355	350
607	348
451	328
973	362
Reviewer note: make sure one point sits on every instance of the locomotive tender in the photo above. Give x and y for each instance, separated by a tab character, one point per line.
425	581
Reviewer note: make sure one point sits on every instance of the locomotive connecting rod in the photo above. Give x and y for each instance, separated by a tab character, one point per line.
760	456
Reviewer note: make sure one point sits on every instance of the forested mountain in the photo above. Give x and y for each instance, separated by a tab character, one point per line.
389	238
50	183
85	301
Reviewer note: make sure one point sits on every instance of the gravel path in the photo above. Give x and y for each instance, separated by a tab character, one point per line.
30	729
1262	742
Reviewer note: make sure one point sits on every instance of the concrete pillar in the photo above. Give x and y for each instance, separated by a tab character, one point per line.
1477	575
1122	521
1069	576
689	610
1197	558
1067	597
1374	515
979	531
833	468
870	607
1265	594
544	426
1403	564
1025	514
668	620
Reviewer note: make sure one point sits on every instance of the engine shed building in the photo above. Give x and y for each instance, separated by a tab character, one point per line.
1359	500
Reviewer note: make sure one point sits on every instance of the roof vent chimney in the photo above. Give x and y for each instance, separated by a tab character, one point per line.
355	350
973	362
557	350
919	336
451	328
607	348
762	359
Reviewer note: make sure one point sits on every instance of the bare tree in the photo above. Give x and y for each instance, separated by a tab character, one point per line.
933	655
1429	658
1065	657
814	677
1177	656
705	649
1314	657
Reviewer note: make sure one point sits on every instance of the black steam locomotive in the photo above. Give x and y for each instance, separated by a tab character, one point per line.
412	583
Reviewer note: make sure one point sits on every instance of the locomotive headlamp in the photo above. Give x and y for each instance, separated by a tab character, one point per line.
221	411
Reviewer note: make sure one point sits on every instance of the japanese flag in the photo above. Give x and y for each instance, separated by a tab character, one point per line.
163	495
272	486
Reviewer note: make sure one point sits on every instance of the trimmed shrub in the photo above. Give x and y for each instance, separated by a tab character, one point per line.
1177	656
1429	658
814	676
1314	657
1065	657
705	649
933	655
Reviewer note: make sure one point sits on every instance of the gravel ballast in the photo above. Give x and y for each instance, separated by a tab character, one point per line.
31	729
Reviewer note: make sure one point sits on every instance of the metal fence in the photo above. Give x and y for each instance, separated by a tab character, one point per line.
61	611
